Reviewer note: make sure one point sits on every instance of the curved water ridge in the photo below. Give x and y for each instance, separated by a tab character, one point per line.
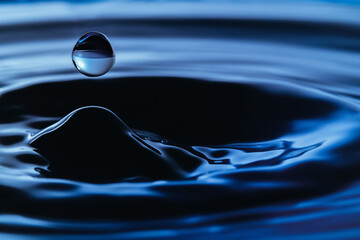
293	157
217	121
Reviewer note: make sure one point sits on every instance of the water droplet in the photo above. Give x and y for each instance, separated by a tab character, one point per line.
93	55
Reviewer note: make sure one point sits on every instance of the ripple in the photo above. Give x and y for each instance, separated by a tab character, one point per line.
256	104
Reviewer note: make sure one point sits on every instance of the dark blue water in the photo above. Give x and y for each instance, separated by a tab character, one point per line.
231	120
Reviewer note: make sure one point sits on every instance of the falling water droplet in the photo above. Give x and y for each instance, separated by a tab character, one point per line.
93	55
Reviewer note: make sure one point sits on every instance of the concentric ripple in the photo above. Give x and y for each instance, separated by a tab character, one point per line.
255	105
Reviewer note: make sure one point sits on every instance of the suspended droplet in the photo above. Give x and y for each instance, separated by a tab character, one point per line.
93	55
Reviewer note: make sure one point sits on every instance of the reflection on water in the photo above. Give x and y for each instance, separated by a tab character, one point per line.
225	120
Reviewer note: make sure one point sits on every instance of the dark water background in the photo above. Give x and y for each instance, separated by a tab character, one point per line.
254	105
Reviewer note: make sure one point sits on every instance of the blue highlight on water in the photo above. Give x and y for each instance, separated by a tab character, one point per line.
93	54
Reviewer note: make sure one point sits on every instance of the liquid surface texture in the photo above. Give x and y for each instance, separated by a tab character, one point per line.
231	120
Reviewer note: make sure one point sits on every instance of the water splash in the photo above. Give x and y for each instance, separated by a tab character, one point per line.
277	149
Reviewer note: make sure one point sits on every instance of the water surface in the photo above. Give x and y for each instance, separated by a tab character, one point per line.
252	106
